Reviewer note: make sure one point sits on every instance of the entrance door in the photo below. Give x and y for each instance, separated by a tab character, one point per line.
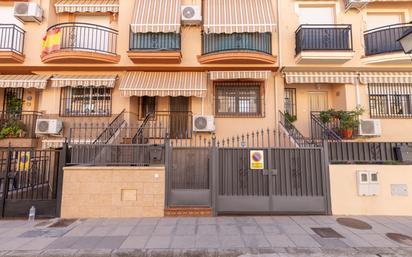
318	101
179	117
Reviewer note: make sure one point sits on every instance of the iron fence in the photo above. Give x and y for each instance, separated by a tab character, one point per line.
321	131
11	38
293	132
79	36
334	37
154	41
258	42
24	119
385	39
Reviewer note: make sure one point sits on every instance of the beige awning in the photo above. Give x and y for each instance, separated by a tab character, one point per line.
164	84
321	77
72	6
84	81
385	77
24	81
156	16
234	16
258	75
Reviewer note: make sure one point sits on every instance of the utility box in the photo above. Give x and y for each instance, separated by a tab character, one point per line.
368	183
155	154
404	153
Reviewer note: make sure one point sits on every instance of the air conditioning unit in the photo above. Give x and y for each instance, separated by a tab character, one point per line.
355	4
28	11
203	123
191	14
48	126
370	128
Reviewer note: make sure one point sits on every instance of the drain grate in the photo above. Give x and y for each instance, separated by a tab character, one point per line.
62	223
327	233
400	238
354	223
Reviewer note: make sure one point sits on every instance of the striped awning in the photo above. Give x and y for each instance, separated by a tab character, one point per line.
258	75
385	77
321	77
84	81
72	6
234	16
156	16
24	81
164	84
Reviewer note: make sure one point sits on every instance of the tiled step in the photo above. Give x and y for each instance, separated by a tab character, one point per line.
188	211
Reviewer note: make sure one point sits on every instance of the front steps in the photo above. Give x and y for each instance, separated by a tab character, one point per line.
188	211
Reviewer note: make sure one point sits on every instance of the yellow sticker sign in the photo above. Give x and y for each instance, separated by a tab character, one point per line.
23	160
257	160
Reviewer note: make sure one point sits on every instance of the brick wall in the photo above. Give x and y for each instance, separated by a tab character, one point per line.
113	192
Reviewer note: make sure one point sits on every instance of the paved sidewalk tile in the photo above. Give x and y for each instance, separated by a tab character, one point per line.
158	242
230	242
142	230
37	244
207	241
64	242
304	241
185	230
88	242
187	221
121	231
110	242
164	229
255	241
135	242
59	252
183	242
210	230
229	229
280	241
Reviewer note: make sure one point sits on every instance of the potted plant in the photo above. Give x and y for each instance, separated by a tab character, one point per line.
326	116
349	121
12	129
289	119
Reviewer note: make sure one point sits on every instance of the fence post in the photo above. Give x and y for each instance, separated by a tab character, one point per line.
214	170
326	180
59	183
6	180
168	169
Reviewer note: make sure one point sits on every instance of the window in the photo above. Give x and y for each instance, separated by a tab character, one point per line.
238	98
390	100
316	15
290	101
376	20
86	101
147	105
13	100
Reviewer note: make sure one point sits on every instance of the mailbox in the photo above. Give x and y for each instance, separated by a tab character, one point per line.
404	153
155	154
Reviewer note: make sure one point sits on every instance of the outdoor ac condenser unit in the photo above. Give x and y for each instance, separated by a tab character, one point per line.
191	14
203	123
370	128
28	11
48	126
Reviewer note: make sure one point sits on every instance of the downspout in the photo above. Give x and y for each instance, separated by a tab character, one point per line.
280	68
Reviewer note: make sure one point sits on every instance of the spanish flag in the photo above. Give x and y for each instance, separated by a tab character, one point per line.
51	42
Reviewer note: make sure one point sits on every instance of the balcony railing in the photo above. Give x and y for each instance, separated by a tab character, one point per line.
24	119
11	38
256	42
323	37
77	36
384	39
154	41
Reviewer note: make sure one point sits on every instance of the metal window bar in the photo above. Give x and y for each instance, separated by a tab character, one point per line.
385	39
86	101
154	41
11	95
390	101
257	42
11	38
331	37
290	101
79	36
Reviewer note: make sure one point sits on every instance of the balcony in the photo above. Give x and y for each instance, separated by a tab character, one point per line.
83	43
323	44
237	48
11	43
18	128
155	48
382	46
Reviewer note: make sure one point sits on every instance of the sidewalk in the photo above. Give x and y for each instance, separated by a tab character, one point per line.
278	236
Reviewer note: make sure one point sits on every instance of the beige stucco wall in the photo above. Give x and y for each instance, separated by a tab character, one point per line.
113	192
344	192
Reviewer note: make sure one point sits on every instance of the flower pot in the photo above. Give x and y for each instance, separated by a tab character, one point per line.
347	133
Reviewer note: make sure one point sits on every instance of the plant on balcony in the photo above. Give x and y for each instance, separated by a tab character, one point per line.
12	129
14	105
291	118
348	120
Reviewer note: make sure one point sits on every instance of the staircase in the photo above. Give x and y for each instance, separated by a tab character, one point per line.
296	138
321	131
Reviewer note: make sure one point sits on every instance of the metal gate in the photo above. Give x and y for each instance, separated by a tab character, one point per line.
294	180
30	178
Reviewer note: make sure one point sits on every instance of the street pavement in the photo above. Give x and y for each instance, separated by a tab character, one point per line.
266	236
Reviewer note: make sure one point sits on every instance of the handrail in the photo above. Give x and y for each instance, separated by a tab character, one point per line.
392	26
71	24
142	126
108	132
293	132
12	38
326	133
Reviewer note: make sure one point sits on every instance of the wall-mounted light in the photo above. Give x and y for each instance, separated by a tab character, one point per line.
406	41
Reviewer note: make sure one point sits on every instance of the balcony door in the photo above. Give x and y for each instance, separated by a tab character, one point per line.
318	102
8	35
316	15
377	20
179	117
89	37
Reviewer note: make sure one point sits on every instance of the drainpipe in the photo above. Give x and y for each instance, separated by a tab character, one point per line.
280	68
357	93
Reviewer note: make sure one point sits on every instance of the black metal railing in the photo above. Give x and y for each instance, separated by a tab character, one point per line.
139	133
334	37
385	39
154	41
321	131
256	42
293	132
79	36
26	120
11	38
111	129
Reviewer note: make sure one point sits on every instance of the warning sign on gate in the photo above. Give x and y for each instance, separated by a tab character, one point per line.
257	160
